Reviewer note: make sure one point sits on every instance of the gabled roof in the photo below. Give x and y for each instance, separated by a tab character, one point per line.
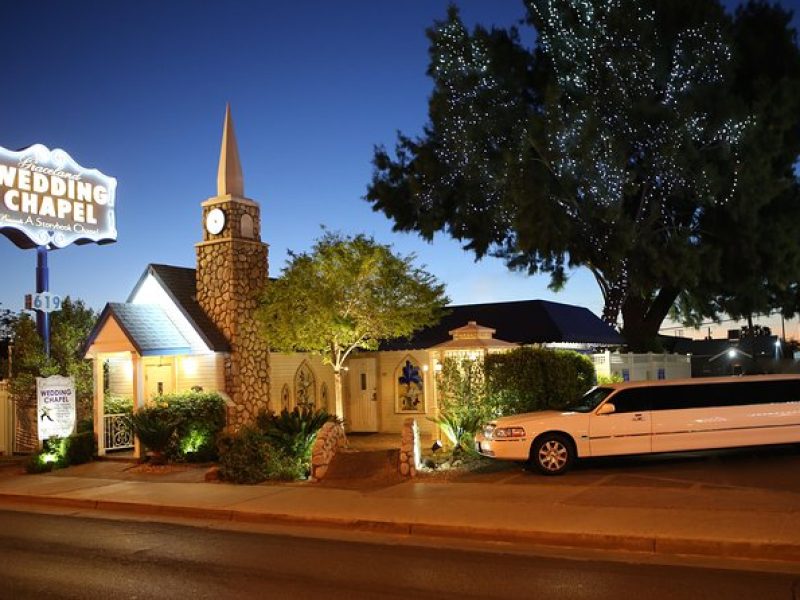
180	285
522	322
147	327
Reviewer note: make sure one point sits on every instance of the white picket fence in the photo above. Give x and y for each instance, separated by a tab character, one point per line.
643	367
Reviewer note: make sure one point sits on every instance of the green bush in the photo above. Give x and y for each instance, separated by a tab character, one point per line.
243	457
154	428
58	453
281	467
463	401
200	418
529	379
115	405
294	432
80	448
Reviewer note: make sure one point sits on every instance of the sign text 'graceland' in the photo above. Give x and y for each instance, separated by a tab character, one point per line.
47	199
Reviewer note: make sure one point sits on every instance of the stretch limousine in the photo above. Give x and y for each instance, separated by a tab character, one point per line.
651	416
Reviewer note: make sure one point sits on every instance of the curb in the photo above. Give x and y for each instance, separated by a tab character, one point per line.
648	544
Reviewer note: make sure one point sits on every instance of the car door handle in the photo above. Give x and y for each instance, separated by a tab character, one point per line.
638	417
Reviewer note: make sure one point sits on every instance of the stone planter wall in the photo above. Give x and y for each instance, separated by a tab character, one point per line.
329	439
409	448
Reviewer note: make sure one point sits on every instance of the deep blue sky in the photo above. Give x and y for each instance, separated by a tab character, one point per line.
137	89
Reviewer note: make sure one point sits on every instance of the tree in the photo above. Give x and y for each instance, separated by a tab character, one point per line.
628	141
348	293
69	329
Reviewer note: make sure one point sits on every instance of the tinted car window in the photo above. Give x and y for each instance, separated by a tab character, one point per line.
632	400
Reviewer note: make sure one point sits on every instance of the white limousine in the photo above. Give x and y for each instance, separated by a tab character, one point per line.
651	416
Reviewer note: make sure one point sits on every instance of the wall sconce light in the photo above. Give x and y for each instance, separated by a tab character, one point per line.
189	365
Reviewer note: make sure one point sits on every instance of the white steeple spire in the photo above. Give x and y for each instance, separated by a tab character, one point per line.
229	176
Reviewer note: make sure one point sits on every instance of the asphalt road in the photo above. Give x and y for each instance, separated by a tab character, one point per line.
48	556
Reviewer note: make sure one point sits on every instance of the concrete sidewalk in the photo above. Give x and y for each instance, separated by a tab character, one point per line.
727	522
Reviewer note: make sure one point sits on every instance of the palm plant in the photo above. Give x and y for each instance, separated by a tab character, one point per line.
154	430
294	432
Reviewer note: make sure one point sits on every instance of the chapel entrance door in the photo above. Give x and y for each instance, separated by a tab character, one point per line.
362	414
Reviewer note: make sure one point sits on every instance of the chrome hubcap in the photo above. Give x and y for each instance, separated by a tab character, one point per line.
553	455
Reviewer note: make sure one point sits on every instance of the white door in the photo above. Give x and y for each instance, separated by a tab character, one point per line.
362	414
628	430
158	380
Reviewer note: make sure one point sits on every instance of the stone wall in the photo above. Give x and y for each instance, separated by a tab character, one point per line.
329	439
231	273
409	448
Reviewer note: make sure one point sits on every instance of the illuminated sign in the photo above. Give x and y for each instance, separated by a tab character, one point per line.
47	199
55	406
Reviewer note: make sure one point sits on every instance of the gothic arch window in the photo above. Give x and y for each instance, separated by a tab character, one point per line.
285	395
305	387
409	387
323	396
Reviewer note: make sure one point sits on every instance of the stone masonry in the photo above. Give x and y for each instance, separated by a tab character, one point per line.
231	273
409	448
329	439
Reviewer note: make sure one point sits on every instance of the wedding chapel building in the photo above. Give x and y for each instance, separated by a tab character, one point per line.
184	329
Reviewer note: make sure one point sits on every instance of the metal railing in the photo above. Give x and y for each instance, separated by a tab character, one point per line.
118	432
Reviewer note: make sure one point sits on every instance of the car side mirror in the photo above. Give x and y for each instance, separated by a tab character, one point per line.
607	409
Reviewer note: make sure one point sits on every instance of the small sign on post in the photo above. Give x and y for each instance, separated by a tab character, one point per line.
55	406
46	302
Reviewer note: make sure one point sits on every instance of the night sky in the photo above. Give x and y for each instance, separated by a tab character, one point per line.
138	89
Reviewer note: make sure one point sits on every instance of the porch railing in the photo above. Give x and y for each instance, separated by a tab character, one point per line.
118	431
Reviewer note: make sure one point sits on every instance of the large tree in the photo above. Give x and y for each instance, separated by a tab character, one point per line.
347	293
636	138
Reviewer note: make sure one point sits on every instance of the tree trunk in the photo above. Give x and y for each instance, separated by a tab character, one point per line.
337	392
642	319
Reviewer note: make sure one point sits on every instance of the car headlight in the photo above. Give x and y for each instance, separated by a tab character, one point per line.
502	433
488	431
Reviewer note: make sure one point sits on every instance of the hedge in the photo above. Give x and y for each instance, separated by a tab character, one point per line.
528	379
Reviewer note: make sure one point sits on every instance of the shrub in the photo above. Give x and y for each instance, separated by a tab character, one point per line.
294	432
115	405
80	448
463	401
243	457
154	428
281	467
528	379
58	453
200	418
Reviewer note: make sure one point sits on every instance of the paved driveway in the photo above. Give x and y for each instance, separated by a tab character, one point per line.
774	468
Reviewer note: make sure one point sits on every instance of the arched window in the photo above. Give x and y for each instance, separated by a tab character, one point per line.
247	229
409	387
305	387
285	395
323	396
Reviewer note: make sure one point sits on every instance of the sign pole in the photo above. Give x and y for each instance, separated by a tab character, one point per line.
43	285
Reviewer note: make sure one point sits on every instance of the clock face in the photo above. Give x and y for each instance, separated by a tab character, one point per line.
215	221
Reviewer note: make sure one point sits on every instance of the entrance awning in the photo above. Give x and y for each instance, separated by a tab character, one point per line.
143	328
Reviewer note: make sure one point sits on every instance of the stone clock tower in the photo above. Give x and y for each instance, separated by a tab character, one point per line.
231	272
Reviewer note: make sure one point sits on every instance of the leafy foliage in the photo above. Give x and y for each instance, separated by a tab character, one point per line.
294	432
527	379
348	293
248	457
70	327
153	429
244	456
651	142
200	418
58	453
463	400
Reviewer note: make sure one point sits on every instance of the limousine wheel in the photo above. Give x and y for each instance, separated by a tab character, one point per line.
552	454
